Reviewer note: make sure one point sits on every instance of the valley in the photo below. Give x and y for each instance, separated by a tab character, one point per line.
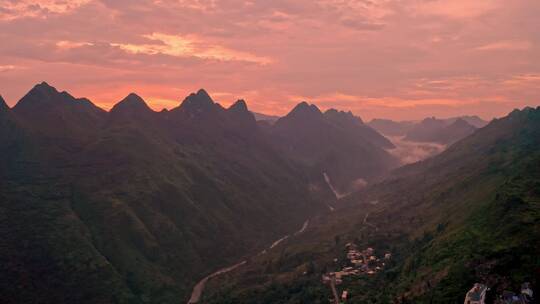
465	224
269	152
205	204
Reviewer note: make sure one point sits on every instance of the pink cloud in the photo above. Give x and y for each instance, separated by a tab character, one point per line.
382	58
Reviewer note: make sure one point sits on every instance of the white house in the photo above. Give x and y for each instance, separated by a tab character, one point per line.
477	294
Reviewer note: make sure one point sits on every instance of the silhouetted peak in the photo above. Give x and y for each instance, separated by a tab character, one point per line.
203	94
332	112
131	103
198	102
305	110
44	89
40	94
239	112
526	113
462	122
342	115
430	119
239	106
3	105
44	86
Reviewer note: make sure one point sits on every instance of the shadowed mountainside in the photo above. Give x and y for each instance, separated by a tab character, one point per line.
135	206
336	143
470	214
440	131
428	125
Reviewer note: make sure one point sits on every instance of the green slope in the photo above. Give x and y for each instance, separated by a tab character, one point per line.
471	214
135	206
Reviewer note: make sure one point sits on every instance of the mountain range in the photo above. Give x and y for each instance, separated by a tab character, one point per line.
431	129
335	143
135	206
470	214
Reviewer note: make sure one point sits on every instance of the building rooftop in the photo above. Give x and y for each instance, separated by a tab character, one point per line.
476	293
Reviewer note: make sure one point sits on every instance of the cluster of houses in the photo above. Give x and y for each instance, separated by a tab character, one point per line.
477	295
358	262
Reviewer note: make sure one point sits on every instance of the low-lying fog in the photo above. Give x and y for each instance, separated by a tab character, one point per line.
410	152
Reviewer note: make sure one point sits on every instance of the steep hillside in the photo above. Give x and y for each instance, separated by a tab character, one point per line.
440	131
457	130
335	143
135	206
470	214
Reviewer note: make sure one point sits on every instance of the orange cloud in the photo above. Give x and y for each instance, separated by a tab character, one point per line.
64	44
189	46
40	8
456	8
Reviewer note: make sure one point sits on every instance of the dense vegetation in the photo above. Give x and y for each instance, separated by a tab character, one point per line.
135	206
471	214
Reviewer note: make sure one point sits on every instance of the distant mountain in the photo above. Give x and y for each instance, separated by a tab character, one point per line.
132	105
335	143
472	120
427	130
132	205
470	214
390	127
457	130
440	131
265	117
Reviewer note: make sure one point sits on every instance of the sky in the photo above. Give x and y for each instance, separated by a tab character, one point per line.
397	59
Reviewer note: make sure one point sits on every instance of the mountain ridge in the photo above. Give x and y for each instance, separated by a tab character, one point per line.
470	214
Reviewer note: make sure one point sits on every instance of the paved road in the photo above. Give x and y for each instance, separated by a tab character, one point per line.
369	224
334	291
304	227
199	288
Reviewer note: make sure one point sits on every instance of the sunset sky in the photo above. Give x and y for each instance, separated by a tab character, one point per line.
399	59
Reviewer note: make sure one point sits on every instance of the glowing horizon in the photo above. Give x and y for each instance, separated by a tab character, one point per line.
403	60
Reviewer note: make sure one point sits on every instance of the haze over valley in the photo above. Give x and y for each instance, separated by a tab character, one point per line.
270	152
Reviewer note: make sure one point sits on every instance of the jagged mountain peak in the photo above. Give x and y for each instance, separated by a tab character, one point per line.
239	106
3	104
346	115
132	102
239	111
44	86
203	94
40	93
199	101
304	109
462	122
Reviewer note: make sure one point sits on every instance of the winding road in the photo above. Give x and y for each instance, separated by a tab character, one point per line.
199	288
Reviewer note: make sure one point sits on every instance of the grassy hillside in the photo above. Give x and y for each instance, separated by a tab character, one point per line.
471	214
135	206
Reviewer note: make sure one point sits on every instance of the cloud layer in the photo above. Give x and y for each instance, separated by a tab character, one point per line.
401	59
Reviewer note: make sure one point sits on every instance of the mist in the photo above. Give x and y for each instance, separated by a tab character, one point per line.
409	152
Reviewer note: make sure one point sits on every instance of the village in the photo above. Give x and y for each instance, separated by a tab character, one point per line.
367	262
358	262
477	295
